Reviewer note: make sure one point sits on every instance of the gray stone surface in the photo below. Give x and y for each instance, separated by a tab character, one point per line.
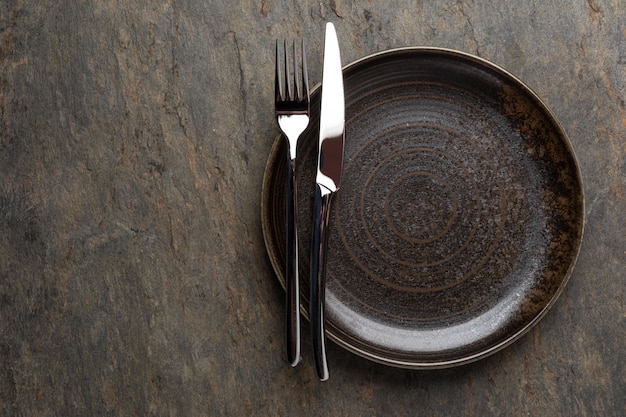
133	275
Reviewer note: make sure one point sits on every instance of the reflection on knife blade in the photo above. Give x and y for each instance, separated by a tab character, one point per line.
330	163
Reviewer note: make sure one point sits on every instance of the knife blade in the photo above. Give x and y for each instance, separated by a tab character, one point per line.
328	180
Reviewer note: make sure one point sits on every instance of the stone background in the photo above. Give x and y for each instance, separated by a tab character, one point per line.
133	275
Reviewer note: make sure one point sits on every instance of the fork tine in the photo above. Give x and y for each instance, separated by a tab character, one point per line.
296	73
305	74
288	76
279	87
292	78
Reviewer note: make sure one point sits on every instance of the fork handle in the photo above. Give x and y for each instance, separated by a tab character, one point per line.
292	286
321	217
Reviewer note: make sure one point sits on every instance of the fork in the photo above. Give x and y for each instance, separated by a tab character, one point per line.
292	113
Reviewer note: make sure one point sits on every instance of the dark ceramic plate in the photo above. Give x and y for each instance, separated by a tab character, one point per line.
460	214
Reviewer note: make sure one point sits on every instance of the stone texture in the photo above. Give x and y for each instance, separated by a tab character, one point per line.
133	275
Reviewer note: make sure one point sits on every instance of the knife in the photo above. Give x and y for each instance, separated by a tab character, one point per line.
328	178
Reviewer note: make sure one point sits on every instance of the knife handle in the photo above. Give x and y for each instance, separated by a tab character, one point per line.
292	286
321	213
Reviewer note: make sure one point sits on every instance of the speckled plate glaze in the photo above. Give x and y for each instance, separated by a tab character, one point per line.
460	215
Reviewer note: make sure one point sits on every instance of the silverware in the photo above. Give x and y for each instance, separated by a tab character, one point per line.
329	168
292	113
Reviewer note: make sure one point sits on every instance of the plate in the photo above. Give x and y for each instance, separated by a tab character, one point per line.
460	214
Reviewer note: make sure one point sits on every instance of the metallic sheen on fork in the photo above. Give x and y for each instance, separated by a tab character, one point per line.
292	113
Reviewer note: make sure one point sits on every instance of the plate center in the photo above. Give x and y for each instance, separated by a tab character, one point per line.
420	207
